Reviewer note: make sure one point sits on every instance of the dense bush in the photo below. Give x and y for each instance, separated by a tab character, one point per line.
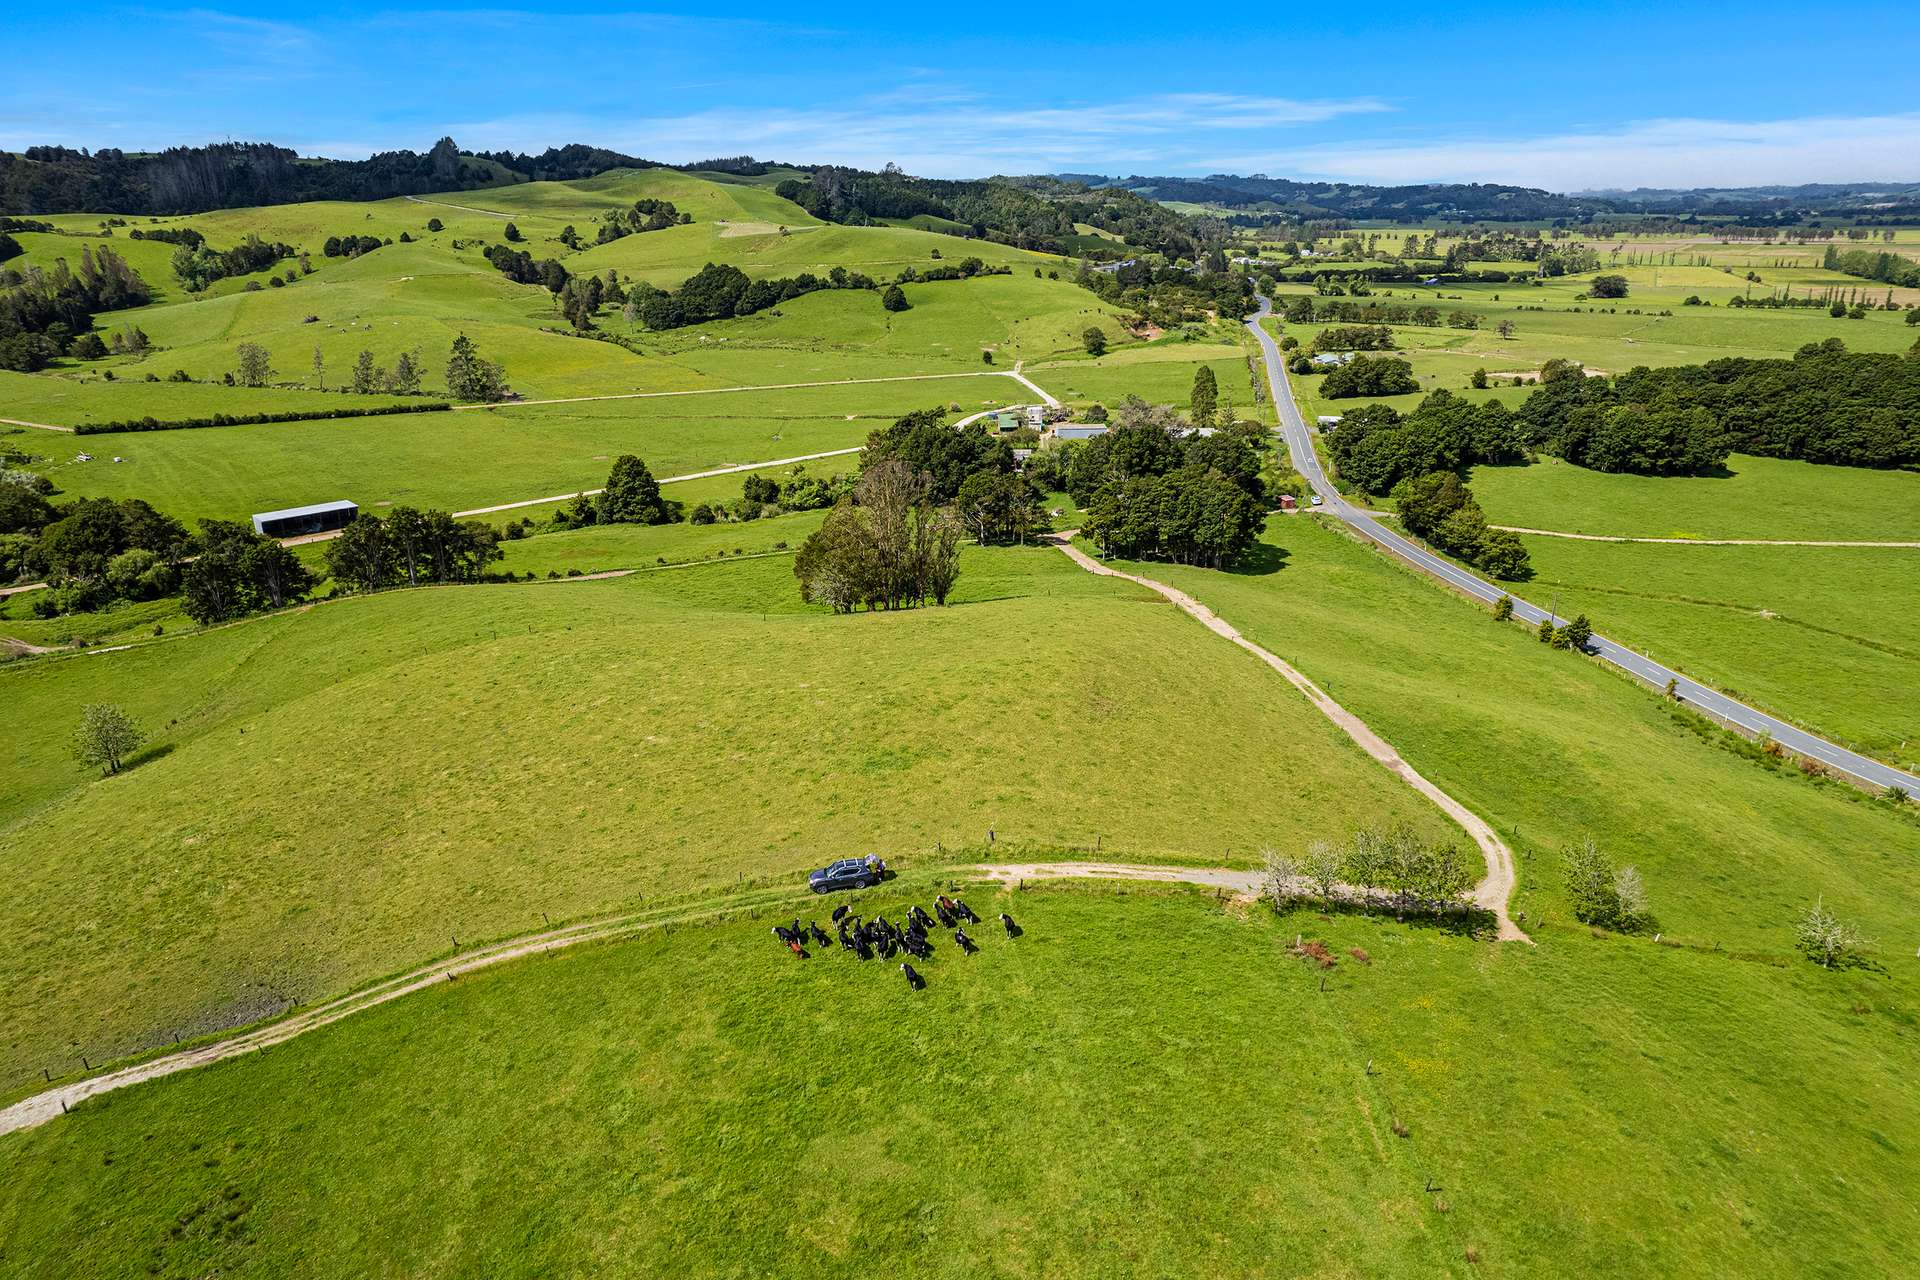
248	419
410	547
1826	404
1439	508
1369	376
887	547
198	266
1376	447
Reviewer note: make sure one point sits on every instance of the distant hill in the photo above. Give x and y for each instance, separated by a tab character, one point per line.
1495	202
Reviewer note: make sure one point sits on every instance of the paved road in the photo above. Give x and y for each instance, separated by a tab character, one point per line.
1300	446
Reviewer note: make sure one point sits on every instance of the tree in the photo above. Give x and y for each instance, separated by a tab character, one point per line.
632	495
361	558
1613	898
1505	328
1607	287
319	370
107	735
1205	396
513	234
1577	633
1824	939
434	224
469	377
895	299
1503	609
1478	380
404	379
366	377
255	365
1321	867
1095	340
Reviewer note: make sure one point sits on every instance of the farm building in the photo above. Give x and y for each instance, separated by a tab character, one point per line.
1330	358
1328	420
321	517
1079	430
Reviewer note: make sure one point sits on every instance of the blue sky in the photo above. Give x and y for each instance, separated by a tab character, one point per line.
1563	97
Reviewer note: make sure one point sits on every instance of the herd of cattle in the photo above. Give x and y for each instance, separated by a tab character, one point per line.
880	937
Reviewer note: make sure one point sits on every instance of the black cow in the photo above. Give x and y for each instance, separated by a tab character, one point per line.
966	944
1013	930
785	935
914	980
841	910
819	934
962	909
947	920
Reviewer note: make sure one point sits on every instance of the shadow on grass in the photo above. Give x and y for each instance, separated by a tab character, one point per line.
1460	921
1262	559
158	752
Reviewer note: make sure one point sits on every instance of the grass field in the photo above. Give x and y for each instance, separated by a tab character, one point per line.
418	296
401	769
1613	336
1758	498
1161	373
1555	749
476	458
697	1102
1823	636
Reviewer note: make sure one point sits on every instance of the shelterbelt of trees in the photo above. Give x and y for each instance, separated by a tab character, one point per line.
1826	404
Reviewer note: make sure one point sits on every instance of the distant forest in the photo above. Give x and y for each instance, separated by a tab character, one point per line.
233	175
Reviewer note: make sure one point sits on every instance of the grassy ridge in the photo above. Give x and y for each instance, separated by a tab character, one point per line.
1142	1084
400	769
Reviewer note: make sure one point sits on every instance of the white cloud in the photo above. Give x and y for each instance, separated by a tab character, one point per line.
935	130
1652	153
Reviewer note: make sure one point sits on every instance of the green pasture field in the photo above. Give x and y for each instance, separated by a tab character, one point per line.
64	400
398	770
1606	335
466	459
1757	498
1827	637
1160	373
1144	1082
847	333
417	297
1555	748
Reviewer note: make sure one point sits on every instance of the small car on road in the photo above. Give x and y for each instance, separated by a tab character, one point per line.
848	873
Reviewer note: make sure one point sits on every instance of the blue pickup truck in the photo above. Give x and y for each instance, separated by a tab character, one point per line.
848	873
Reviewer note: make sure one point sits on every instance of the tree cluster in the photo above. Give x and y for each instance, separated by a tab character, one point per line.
198	266
944	456
1397	870
234	571
645	215
45	310
1376	446
1369	376
90	551
351	246
1153	487
1603	894
409	547
721	290
1439	508
889	546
